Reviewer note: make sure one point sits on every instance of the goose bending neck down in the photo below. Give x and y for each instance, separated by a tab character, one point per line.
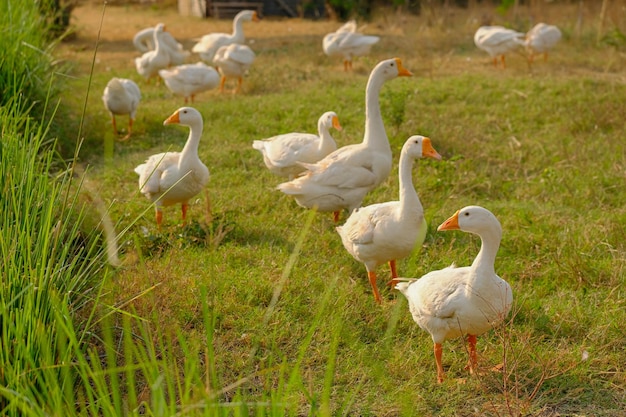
384	232
470	300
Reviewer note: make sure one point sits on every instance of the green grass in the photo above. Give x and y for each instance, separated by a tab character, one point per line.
261	311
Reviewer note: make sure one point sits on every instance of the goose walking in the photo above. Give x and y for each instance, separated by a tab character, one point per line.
347	43
149	64
191	79
540	39
233	61
144	42
458	301
384	232
122	96
498	41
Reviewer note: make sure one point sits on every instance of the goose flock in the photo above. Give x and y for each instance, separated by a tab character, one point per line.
449	303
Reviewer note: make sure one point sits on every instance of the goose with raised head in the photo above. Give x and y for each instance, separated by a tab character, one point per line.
454	302
540	39
122	96
191	79
497	41
144	42
348	43
233	61
149	64
343	178
384	232
209	44
282	154
175	177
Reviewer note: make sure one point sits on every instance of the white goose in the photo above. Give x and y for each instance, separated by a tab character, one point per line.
497	41
341	179
348	43
283	153
470	300
175	177
144	42
384	232
122	96
233	61
209	44
540	39
149	64
191	79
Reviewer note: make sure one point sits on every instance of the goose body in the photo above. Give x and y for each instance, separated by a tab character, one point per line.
233	61
343	178
191	79
209	44
540	39
144	42
384	232
347	43
149	64
175	177
122	96
283	154
497	41
458	301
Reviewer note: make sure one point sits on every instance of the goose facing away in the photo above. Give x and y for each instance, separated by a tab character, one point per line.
497	41
149	64
384	232
122	96
343	178
209	44
175	177
144	42
458	301
283	154
189	80
540	39
348	43
233	61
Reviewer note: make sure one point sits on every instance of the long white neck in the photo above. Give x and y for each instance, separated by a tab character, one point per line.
189	154
375	135
238	36
484	262
158	47
408	196
326	140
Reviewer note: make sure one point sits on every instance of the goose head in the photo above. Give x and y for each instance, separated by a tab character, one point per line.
473	219
391	68
419	147
247	16
328	120
185	116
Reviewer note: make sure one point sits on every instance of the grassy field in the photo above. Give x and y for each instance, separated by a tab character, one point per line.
257	306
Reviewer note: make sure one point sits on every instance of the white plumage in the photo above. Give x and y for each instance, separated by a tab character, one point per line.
209	44
470	300
384	232
122	96
191	79
149	64
233	61
540	39
283	154
348	43
497	41
144	42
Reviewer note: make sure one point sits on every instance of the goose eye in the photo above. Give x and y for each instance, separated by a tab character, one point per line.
466	213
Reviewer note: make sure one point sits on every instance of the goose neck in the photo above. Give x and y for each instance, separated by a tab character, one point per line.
190	150
374	128
408	195
238	30
486	258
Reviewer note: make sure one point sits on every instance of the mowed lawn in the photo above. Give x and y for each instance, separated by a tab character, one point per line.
262	294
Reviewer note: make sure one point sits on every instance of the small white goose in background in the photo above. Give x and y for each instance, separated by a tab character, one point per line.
384	232
209	44
233	61
191	79
343	178
470	300
144	42
540	39
149	64
497	41
282	154
348	43
122	96
175	177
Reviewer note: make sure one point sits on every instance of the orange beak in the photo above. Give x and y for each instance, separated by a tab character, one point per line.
174	118
401	70
255	17
428	150
336	124
451	224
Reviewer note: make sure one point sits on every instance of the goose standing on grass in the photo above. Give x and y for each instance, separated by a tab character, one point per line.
342	178
233	61
122	96
454	302
348	43
144	42
388	231
149	64
282	154
497	41
175	177
540	39
191	79
209	44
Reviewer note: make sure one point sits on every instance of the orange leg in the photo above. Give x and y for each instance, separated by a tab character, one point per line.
159	218
495	61
346	65
372	277
239	82
336	215
503	61
130	129
184	208
438	350
473	360
114	124
222	82
394	273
